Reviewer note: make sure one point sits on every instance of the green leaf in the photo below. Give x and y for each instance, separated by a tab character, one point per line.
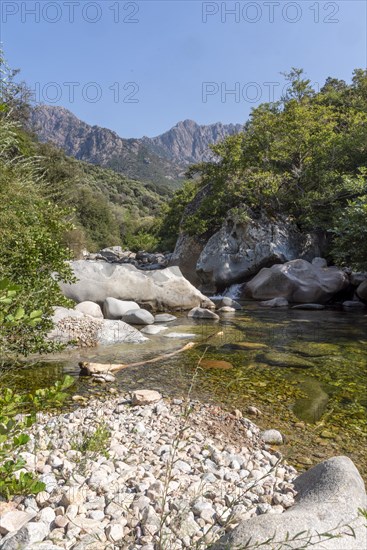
19	314
36	314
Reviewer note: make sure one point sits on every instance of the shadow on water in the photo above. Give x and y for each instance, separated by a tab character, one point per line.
306	370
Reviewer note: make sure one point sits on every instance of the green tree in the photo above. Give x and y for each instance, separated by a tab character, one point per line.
350	230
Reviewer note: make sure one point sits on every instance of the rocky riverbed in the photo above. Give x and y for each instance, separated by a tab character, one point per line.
179	474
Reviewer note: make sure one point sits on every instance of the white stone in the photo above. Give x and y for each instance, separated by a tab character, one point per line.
14	520
145	397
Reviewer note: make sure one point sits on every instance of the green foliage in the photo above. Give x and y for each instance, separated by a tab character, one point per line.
350	231
17	413
108	207
171	215
94	443
298	157
141	241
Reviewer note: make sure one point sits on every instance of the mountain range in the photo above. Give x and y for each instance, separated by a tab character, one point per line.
161	160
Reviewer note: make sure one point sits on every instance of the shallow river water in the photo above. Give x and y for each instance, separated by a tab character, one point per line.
305	371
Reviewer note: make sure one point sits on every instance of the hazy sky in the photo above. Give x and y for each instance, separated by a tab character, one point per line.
140	67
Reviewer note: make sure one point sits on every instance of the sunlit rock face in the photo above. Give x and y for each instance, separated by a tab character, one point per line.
161	290
297	281
240	249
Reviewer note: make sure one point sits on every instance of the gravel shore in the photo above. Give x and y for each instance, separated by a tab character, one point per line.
166	475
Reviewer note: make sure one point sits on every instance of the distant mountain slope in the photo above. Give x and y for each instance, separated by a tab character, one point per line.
161	160
188	142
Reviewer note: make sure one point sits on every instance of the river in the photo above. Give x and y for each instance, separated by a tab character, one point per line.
304	370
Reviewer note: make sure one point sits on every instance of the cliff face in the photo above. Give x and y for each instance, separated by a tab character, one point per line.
161	160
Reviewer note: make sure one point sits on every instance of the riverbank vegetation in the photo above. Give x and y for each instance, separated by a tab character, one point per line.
303	157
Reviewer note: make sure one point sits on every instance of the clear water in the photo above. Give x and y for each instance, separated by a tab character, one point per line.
305	370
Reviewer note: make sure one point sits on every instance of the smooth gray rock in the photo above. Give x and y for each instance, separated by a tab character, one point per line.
309	306
328	499
353	304
116	309
153	329
362	291
164	318
90	308
164	289
202	313
273	437
297	281
357	278
225	301
114	332
180	335
319	262
275	302
138	317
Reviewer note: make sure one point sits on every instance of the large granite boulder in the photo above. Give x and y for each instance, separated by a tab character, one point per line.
90	308
116	309
297	281
138	317
329	496
240	249
161	290
362	291
186	254
86	331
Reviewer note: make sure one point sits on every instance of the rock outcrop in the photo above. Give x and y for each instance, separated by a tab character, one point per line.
297	281
161	290
240	248
329	496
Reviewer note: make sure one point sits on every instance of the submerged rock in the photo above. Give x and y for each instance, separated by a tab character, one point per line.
275	302
244	346
278	359
202	313
180	335
164	318
316	307
353	304
225	301
215	364
310	408
153	329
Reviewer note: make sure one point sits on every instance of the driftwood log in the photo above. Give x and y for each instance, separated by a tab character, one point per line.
90	369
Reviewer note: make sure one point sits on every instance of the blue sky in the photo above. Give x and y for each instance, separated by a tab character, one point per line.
140	67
